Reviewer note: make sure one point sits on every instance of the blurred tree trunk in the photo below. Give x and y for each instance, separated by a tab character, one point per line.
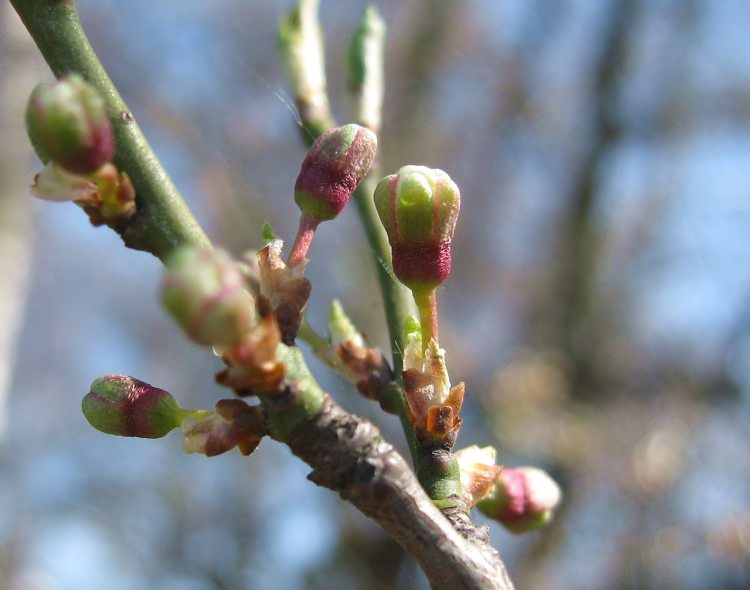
20	71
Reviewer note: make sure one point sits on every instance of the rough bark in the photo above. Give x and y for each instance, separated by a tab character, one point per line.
349	456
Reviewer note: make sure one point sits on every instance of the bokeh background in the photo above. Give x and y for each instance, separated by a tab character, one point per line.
599	307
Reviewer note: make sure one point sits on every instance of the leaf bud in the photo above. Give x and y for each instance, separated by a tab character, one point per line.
300	44
205	291
524	499
418	207
336	163
67	122
125	406
233	424
365	68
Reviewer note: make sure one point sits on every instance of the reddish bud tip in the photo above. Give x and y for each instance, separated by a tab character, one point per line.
332	169
124	406
524	499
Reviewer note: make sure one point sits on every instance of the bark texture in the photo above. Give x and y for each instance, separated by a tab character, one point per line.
349	456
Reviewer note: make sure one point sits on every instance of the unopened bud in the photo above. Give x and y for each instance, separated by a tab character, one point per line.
67	123
205	291
524	499
419	207
124	406
332	169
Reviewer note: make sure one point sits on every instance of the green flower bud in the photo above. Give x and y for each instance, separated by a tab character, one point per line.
332	169
419	207
524	499
67	122
205	291
124	406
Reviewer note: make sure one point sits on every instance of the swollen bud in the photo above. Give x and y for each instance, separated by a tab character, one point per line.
419	207
336	163
67	123
124	406
524	499
205	291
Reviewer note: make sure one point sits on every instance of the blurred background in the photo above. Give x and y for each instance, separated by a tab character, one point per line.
599	307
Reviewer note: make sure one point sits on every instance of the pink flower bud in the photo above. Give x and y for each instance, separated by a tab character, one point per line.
205	291
332	169
524	499
124	406
67	122
419	207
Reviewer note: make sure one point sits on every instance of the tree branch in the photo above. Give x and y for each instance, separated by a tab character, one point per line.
347	453
162	221
349	456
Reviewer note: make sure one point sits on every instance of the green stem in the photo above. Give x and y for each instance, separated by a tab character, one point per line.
308	334
286	412
440	476
162	222
396	298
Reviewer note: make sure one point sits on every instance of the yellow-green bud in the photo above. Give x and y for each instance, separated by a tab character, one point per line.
125	406
67	123
419	207
206	292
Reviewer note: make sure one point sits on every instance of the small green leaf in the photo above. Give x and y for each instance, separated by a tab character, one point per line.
268	233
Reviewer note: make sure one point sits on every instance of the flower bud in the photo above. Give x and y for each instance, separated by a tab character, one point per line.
124	406
205	291
67	122
419	207
332	169
524	499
